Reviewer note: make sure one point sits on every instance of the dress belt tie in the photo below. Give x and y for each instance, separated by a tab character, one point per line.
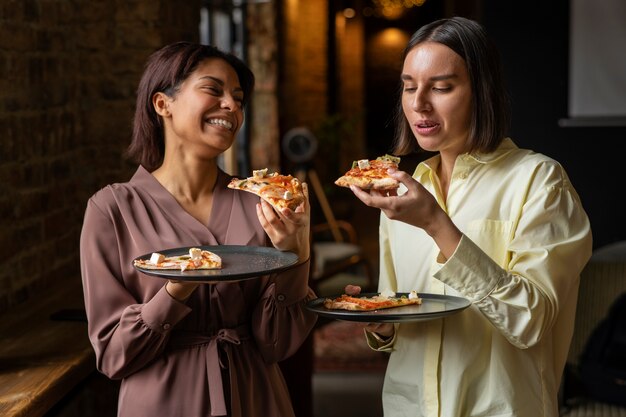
213	361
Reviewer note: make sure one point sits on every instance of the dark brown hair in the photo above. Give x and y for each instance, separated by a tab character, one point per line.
165	71
490	105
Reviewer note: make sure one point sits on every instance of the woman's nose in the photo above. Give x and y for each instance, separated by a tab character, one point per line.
228	102
421	102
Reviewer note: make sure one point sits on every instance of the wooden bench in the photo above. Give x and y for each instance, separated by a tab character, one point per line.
42	358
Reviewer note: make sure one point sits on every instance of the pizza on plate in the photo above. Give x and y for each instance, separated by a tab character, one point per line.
281	191
371	174
196	259
370	303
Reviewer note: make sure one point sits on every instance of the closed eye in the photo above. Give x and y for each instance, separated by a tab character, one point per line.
213	90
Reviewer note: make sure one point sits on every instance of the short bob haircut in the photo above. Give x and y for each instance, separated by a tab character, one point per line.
165	71
490	117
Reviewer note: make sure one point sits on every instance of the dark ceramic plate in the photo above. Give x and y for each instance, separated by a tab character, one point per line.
238	263
433	306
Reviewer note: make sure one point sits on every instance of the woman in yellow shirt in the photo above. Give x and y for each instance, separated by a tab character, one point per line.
482	219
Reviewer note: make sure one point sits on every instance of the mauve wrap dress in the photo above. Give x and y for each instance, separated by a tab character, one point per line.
174	358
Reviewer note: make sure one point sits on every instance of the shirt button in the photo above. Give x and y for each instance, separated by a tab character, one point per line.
281	297
166	326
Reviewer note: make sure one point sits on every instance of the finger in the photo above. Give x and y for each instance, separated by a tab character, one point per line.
272	225
271	215
360	193
380	193
401	176
307	204
267	216
369	199
261	216
293	218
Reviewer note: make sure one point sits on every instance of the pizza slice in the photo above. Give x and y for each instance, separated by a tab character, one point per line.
279	190
371	174
369	303
196	259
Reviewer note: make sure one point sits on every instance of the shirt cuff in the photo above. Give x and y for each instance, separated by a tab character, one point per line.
380	343
292	285
470	271
163	311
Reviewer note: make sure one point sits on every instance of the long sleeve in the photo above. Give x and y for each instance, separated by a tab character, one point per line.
525	240
281	311
173	355
125	333
549	248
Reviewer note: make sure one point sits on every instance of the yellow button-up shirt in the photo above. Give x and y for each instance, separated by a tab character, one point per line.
525	241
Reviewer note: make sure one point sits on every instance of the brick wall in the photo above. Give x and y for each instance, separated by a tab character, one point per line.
303	87
68	74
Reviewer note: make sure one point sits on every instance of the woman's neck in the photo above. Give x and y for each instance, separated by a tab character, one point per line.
188	181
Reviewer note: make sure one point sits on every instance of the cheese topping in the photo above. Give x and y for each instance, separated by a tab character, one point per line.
157	258
363	163
259	173
195	254
413	295
387	293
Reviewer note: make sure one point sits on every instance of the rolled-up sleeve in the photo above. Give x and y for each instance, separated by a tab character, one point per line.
549	247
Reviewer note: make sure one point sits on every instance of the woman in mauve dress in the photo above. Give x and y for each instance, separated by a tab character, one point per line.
186	349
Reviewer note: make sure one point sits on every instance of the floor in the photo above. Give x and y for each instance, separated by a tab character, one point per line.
353	393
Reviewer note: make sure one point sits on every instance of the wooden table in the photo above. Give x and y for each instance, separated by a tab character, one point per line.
42	359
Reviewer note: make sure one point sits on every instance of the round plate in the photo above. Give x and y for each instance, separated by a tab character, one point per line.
238	262
433	306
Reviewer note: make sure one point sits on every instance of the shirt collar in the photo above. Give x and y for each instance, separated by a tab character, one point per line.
506	146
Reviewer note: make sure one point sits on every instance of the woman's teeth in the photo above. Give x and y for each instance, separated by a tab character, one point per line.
221	122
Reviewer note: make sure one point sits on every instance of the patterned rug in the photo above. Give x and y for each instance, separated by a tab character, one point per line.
341	346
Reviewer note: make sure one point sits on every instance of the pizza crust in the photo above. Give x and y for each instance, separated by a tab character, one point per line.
367	183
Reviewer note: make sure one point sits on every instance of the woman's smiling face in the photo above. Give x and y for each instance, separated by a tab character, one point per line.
207	109
437	97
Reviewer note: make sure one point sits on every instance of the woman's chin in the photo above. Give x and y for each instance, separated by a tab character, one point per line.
428	145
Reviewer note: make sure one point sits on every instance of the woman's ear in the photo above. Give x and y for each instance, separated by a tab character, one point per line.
161	102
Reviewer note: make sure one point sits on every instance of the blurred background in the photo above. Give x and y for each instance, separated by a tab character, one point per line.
327	78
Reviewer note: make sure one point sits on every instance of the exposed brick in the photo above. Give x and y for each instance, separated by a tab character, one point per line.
32	175
16	37
56	224
93	11
68	75
133	11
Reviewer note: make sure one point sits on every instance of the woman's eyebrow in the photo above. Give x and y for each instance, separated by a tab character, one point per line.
407	77
209	77
219	81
